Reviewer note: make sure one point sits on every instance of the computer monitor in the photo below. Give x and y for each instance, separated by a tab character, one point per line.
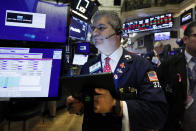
78	29
84	8
140	43
83	47
162	36
30	73
33	20
186	17
79	59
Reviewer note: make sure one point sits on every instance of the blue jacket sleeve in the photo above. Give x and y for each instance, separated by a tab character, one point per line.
149	109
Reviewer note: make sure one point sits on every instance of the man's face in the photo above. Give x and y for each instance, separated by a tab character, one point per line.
103	36
190	42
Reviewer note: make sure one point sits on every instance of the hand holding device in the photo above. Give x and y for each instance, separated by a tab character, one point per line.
103	102
74	105
82	88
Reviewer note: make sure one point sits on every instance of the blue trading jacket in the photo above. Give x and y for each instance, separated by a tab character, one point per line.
140	89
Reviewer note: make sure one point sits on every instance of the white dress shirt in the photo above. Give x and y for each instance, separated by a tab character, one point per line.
114	59
190	64
188	57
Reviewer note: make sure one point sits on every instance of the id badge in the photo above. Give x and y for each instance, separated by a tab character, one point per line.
95	67
189	101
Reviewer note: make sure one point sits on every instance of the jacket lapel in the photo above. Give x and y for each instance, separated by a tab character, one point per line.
123	66
181	72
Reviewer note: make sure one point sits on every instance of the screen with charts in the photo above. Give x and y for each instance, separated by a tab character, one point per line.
78	29
30	72
33	20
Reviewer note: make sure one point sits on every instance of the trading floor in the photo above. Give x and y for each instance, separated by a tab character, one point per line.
62	122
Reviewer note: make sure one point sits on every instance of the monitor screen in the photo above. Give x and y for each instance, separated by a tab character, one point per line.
186	17
33	20
83	47
140	43
148	24
78	29
162	36
84	8
30	72
79	59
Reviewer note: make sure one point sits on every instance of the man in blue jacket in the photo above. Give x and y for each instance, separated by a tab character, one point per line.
142	103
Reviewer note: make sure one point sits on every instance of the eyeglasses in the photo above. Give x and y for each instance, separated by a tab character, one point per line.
193	35
100	27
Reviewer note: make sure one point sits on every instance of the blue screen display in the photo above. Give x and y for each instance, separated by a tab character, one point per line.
83	47
33	20
29	72
78	29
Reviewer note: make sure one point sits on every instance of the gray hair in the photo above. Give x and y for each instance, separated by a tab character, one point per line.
112	16
158	44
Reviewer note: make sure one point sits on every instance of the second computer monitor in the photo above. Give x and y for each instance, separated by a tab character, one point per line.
30	72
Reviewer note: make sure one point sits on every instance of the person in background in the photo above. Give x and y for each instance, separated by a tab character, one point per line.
177	76
141	104
157	55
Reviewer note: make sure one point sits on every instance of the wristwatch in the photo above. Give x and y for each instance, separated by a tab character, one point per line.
116	108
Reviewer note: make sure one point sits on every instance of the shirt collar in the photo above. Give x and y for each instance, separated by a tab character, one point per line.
115	55
187	56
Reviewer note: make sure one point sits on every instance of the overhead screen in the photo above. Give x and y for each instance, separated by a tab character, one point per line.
33	20
186	17
162	36
148	24
30	72
84	8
